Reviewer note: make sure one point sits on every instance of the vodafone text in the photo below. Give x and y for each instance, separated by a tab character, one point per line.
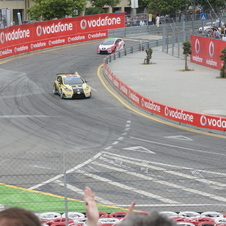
134	97
178	114
206	121
150	105
14	35
54	28
100	22
6	52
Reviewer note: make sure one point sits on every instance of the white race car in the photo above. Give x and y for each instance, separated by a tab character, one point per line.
111	45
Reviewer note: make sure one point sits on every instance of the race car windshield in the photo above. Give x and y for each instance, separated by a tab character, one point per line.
108	42
72	80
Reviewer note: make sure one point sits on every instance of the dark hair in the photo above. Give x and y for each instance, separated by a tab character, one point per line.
151	219
16	216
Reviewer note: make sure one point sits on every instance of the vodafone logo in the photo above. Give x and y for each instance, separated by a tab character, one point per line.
39	30
211	49
2	37
203	120
54	28
100	22
83	24
197	46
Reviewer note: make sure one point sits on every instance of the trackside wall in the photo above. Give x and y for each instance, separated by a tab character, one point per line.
29	37
198	120
207	51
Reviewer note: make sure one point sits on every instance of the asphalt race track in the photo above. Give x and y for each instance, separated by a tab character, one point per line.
122	155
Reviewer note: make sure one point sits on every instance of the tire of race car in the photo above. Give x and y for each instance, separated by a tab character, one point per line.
90	95
55	90
61	94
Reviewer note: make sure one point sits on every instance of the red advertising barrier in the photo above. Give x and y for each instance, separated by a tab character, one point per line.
208	122
207	51
29	37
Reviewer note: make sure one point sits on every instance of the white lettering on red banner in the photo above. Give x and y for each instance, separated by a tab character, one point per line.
97	35
197	59
100	22
123	89
134	97
54	28
211	62
178	115
56	42
76	38
38	45
6	52
14	35
206	121
21	48
150	106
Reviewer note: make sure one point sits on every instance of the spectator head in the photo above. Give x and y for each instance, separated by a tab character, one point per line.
151	219
15	216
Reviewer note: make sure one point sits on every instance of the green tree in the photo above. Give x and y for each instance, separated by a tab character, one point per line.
102	3
223	58
51	9
94	10
167	6
210	4
143	4
149	52
186	51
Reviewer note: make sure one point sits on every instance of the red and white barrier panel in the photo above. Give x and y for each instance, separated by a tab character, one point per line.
29	37
175	114
207	51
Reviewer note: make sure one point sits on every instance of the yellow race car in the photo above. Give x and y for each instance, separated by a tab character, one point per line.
71	86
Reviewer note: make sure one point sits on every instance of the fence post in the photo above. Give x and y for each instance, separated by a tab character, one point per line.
65	189
173	38
163	37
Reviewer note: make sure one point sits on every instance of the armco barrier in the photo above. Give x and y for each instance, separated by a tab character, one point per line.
29	37
201	121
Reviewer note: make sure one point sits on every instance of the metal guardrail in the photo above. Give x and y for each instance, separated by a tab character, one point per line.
132	49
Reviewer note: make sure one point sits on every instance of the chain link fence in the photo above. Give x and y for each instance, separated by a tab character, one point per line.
54	181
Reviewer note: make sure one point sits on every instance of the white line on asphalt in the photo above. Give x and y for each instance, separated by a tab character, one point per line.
148	194
81	192
218	198
25	116
172	205
69	171
174	146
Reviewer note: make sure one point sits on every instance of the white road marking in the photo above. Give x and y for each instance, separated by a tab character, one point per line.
164	205
142	164
93	89
81	192
114	143
179	137
25	116
218	198
164	164
140	149
148	194
69	171
109	147
174	146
